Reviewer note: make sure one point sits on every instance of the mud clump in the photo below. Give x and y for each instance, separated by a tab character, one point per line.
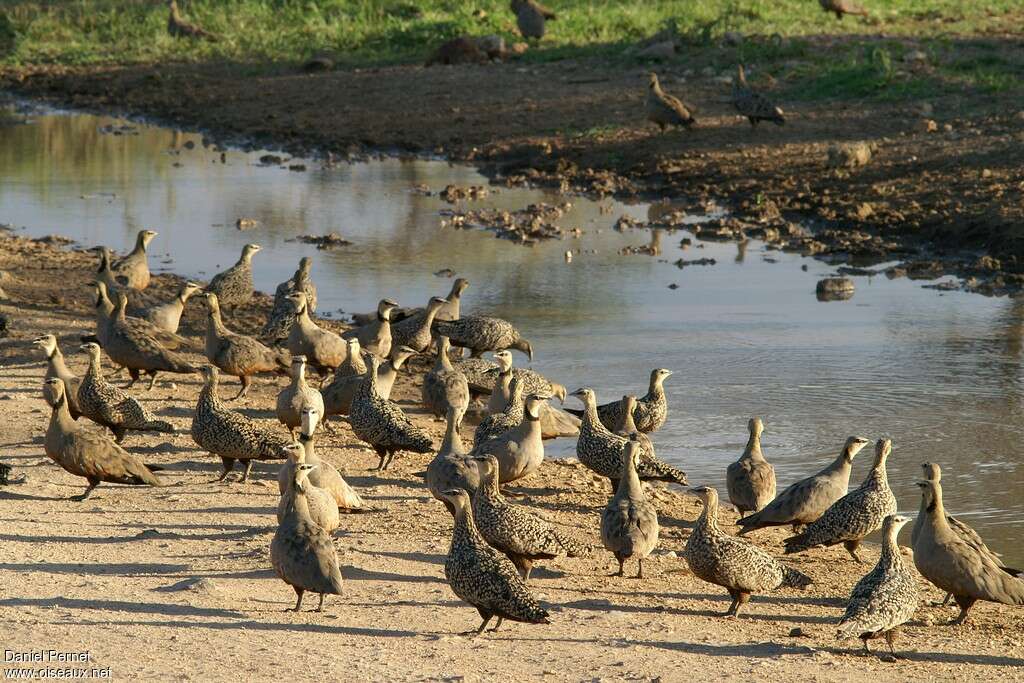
834	289
527	226
457	193
850	156
329	241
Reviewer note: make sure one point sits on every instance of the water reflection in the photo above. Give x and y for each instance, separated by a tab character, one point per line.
940	374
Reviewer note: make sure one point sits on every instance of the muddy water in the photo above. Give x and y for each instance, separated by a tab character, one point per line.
939	373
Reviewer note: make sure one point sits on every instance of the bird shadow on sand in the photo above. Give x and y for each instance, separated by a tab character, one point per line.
413	557
250	625
11	495
169	609
751	615
99	568
361	574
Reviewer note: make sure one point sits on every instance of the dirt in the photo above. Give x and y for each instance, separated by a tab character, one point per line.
176	583
939	180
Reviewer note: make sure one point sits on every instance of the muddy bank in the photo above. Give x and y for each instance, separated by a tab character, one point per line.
936	184
139	576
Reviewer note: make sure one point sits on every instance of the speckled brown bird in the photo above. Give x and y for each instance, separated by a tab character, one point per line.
179	27
752	104
532	18
664	110
841	7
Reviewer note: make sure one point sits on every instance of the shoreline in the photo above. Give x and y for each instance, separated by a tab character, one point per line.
777	185
184	566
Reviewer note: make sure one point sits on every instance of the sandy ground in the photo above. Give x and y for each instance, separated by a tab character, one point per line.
116	575
944	181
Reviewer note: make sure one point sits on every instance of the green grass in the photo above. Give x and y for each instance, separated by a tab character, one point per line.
783	36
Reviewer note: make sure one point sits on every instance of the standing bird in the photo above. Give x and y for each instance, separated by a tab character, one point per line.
496	424
451	468
382	424
502	391
733	563
664	109
179	27
751	479
531	18
444	387
296	397
231	436
326	476
323	511
282	315
851	518
129	346
375	336
109	406
956	566
415	331
804	501
752	104
56	367
105	272
841	7
627	426
302	553
629	523
167	316
132	271
513	529
520	450
650	412
339	393
453	309
886	597
234	286
601	451
87	454
106	314
481	333
482	576
323	349
238	354
932	472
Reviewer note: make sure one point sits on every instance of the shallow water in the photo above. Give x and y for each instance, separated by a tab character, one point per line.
938	373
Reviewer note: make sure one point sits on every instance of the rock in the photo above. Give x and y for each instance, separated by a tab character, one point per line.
202	585
445	272
849	155
673	286
929	126
328	241
682	263
662	50
797	633
864	211
297	167
270	160
834	289
5	476
246	223
986	173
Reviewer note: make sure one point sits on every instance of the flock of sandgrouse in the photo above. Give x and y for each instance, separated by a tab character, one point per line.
495	542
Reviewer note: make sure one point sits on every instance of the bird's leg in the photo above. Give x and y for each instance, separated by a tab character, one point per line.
483	625
298	599
640	569
382	455
245	472
965	606
890	638
93	483
622	561
245	388
134	375
229	464
867	650
498	625
948	598
152	380
118	433
526	578
327	427
320	607
735	606
851	547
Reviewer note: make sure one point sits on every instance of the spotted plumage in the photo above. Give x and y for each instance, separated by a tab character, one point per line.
234	286
499	423
956	566
651	410
601	451
804	501
483	375
629	523
109	406
229	435
415	331
382	424
886	597
296	397
443	386
282	315
733	563
238	354
513	529
932	472
139	352
56	367
851	518
339	393
752	104
87	454
664	110
751	479
482	576
375	336
302	553
481	333
326	475
179	27
106	315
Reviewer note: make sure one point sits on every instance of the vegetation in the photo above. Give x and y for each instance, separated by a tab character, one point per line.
796	38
